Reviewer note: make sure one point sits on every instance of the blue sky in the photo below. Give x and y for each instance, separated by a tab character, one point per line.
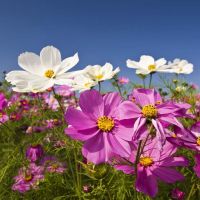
102	30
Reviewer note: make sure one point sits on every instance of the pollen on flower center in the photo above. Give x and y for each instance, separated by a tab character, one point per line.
28	177
151	68
49	73
105	124
1	114
146	161
149	111
99	76
198	141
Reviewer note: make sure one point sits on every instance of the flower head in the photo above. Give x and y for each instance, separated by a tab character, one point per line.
177	194
28	178
42	72
180	66
154	165
100	73
98	125
34	152
147	65
148	108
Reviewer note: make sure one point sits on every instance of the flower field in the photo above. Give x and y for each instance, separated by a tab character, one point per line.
63	137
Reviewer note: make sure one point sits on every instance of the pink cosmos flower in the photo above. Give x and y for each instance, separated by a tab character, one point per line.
64	90
147	107
28	178
197	166
99	126
154	164
3	117
123	80
177	194
52	165
192	139
34	152
51	101
3	101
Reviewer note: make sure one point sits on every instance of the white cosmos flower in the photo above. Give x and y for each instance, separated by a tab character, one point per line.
100	73
83	82
42	72
147	65
179	66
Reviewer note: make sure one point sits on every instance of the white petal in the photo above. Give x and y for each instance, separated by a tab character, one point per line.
50	57
68	63
132	64
16	76
40	85
22	86
30	62
160	62
145	61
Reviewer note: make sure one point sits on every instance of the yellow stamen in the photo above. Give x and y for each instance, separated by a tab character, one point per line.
146	161
28	177
99	77
105	124
1	114
174	135
49	73
158	102
198	141
87	85
151	68
149	111
55	166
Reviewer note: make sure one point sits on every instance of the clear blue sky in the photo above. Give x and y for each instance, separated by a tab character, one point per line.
102	30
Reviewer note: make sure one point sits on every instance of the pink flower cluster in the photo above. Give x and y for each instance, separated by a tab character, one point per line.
138	136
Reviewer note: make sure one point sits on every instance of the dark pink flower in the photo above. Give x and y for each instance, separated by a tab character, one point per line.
197	165
64	90
123	80
28	178
3	101
192	139
34	152
3	117
52	165
99	126
177	194
154	165
147	107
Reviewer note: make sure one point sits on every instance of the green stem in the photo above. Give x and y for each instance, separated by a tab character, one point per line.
59	102
118	87
191	191
99	83
150	79
137	157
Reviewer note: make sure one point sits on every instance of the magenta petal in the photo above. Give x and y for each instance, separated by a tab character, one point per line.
170	120
124	130
128	110
111	102
174	161
125	168
168	175
139	129
146	182
119	146
78	119
91	103
197	165
82	135
168	150
146	96
97	149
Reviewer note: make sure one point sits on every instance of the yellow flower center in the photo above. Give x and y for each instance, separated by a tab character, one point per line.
151	68
55	166
1	114
87	85
146	161
174	135
28	177
105	124
149	111
99	76
198	141
49	73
